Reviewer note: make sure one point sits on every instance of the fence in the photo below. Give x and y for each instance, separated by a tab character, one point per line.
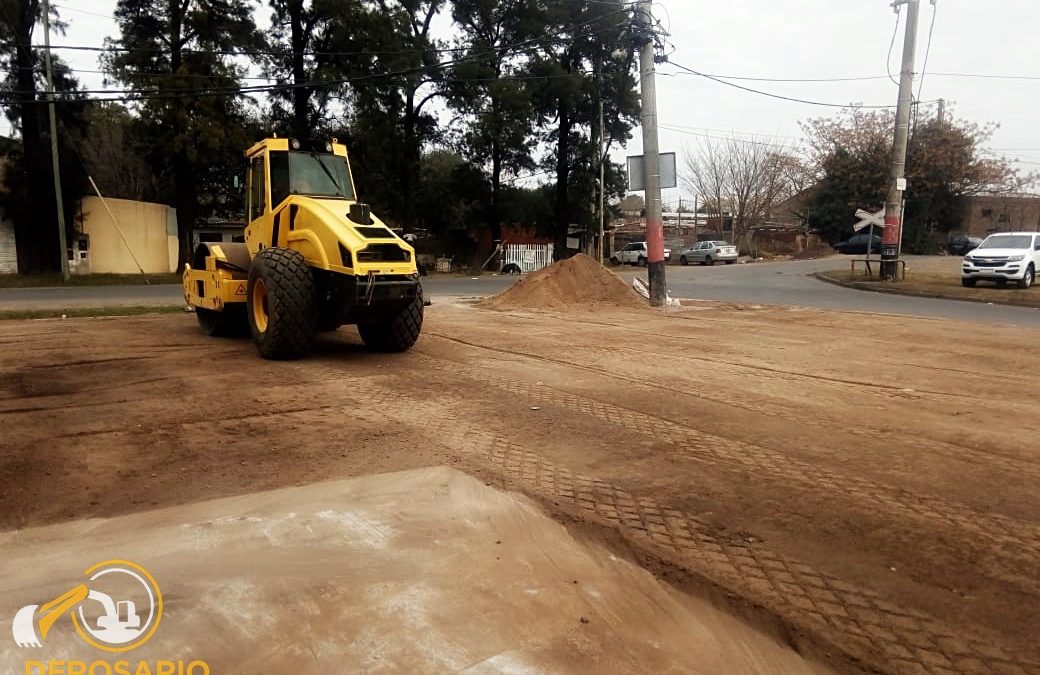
528	257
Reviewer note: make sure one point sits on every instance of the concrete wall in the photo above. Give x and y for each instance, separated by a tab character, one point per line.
150	231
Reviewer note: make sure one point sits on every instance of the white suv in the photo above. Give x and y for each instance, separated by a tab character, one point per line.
1003	257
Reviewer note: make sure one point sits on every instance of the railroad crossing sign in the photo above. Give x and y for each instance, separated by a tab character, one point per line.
869	219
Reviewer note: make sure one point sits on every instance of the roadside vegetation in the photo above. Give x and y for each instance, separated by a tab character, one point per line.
42	280
81	312
935	278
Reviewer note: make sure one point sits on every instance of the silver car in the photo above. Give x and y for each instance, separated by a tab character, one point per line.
710	252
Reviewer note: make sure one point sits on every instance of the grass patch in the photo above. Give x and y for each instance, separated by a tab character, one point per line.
42	280
79	312
930	283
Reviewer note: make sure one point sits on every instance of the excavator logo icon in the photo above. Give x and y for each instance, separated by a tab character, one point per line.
119	620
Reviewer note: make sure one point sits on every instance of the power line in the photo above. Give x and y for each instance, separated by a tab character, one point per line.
138	94
84	11
778	96
195	75
776	145
860	78
891	47
988	77
753	134
796	79
928	50
111	48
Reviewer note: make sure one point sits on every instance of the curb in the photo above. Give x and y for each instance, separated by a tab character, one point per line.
860	286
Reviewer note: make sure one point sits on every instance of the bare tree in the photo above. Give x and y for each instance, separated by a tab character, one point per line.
747	178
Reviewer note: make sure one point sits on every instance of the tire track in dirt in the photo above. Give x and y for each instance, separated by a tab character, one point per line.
822	419
761	405
840	616
1012	543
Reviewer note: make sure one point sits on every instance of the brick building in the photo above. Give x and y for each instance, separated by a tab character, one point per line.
1001	213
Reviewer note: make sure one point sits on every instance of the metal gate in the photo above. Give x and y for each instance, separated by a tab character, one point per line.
528	257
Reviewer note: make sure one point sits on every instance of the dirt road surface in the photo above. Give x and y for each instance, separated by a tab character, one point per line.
860	486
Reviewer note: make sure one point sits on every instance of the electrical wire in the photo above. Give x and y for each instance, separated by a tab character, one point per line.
743	141
778	96
284	54
860	78
83	11
988	77
928	50
863	78
138	94
892	46
200	76
731	132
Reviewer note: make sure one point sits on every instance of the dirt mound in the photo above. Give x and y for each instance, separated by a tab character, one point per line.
575	282
814	253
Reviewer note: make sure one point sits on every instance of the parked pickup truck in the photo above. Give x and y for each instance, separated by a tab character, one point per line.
635	254
1004	257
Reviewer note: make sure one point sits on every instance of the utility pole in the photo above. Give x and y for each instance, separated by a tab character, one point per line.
64	253
897	179
602	173
941	115
651	159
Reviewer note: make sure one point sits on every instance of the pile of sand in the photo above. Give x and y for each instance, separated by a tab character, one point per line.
575	282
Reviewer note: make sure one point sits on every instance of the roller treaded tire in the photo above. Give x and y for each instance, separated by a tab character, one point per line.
291	304
397	334
231	322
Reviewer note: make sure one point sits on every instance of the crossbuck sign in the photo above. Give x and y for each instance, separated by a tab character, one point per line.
867	219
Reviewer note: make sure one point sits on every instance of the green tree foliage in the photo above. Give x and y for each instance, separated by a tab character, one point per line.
523	79
170	48
489	92
587	57
28	198
391	120
313	47
113	155
851	152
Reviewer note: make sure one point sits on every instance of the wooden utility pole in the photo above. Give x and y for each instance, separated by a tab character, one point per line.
651	159
63	253
602	174
897	178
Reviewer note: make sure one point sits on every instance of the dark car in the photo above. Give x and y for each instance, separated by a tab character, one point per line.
962	244
858	244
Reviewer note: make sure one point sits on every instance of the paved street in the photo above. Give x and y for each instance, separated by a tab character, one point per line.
790	283
780	283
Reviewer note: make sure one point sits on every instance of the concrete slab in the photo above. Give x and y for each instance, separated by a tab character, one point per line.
426	571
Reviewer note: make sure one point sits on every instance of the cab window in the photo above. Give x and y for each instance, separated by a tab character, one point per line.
279	177
257	193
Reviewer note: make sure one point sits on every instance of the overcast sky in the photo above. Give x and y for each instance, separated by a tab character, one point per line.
791	39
